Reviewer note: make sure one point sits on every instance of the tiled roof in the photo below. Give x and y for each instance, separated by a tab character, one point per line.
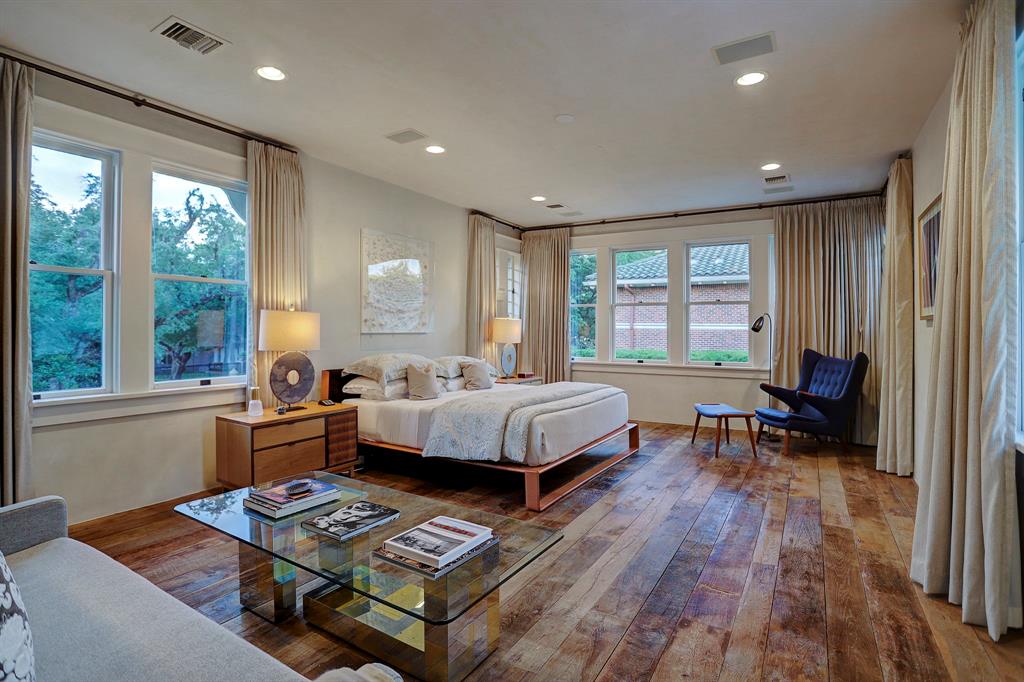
715	260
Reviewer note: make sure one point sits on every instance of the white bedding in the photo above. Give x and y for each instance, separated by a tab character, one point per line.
407	422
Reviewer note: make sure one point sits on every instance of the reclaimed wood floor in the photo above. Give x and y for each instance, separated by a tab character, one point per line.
674	565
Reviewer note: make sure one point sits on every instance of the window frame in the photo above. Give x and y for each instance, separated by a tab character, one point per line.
597	327
183	172
614	304
110	160
687	302
507	265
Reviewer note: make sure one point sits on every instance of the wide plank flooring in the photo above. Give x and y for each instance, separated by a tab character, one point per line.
675	564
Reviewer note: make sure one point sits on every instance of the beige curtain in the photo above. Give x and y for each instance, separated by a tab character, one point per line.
480	291
966	541
828	274
278	248
16	92
895	452
546	323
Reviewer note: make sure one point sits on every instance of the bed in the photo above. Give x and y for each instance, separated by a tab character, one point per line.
552	438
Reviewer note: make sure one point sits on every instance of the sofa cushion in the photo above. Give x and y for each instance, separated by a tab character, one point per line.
16	659
94	619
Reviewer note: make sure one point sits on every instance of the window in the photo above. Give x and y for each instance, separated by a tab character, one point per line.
71	228
200	285
508	281
718	303
582	304
640	302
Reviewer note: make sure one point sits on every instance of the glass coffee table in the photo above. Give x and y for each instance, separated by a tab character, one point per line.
433	628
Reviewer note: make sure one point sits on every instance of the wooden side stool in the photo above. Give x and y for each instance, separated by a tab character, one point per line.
719	412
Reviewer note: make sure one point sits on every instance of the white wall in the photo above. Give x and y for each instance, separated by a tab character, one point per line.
666	392
928	152
339	204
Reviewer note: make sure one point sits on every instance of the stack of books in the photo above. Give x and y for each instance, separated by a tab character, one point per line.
438	545
289	498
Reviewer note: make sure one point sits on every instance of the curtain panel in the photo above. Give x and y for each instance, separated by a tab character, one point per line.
895	453
828	277
278	261
480	290
546	322
17	83
966	541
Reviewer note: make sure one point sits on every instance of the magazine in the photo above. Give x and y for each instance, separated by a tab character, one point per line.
439	541
351	520
278	495
430	571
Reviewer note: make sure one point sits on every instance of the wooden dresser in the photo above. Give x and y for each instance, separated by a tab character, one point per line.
253	450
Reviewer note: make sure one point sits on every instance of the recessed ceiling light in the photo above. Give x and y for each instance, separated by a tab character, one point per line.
271	73
771	166
565	118
538	198
752	78
435	149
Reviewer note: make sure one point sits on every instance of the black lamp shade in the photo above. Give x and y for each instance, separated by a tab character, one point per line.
758	325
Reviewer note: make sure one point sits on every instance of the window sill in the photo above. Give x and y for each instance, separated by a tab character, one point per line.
670	369
96	407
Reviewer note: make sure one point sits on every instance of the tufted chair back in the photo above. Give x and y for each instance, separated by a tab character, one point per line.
831	377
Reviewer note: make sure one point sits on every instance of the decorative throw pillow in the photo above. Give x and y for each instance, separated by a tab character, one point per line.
384	367
450	366
423	383
477	375
17	661
368	389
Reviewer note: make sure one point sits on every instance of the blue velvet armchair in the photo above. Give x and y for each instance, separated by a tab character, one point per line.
824	401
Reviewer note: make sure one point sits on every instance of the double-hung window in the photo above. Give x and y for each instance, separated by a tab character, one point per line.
718	303
200	240
582	304
508	284
640	305
72	215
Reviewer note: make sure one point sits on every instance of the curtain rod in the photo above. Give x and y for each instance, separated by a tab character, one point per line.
140	101
497	219
710	211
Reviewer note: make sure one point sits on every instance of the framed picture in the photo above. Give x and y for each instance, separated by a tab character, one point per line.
928	255
397	284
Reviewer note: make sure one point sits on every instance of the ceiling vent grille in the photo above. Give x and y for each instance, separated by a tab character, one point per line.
775	180
747	48
189	36
406	136
556	206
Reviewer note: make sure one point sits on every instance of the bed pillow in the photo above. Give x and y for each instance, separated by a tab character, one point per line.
477	375
17	662
368	389
456	384
423	381
384	367
450	366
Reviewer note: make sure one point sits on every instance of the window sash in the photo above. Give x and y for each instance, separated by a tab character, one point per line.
688	303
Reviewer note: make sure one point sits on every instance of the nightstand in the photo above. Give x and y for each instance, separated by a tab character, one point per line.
252	450
522	381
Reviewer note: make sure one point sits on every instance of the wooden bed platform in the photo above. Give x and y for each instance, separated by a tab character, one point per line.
333	381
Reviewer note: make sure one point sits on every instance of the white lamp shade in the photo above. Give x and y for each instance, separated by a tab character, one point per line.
507	330
289	330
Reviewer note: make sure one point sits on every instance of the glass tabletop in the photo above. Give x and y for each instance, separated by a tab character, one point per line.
352	563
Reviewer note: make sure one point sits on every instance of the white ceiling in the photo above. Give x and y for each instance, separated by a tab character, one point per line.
659	125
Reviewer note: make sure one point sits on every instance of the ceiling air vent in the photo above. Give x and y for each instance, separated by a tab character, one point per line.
406	136
189	36
775	180
746	48
556	206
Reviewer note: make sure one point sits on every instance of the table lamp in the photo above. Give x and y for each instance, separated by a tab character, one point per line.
292	375
509	331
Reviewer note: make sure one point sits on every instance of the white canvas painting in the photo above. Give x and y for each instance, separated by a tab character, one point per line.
397	281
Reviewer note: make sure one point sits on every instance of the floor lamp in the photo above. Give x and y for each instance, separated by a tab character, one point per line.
756	328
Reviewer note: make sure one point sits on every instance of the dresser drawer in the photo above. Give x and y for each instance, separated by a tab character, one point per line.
341	438
286	460
269	436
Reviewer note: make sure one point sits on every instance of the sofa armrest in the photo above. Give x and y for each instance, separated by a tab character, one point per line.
32	522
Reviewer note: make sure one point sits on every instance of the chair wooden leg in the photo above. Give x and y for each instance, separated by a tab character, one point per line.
726	430
750	433
785	442
696	423
760	430
718	434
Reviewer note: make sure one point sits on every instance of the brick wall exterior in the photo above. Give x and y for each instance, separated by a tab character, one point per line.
713	327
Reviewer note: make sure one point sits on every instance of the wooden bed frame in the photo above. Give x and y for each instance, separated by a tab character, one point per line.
332	383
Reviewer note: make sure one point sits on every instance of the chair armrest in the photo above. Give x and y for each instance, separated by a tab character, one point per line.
32	522
827	406
786	395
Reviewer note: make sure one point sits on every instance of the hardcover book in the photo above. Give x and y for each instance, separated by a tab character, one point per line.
439	541
278	494
351	520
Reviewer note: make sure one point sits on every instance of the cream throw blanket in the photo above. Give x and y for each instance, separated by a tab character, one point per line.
491	424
